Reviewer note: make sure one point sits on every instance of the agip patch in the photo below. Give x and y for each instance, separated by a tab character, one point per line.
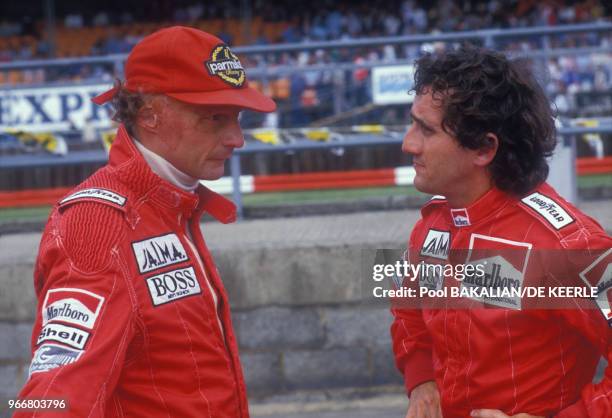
51	356
223	63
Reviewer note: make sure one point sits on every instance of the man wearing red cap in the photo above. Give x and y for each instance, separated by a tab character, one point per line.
132	318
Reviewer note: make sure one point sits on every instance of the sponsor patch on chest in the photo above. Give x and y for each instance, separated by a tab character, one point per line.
599	274
51	356
173	285
436	244
157	252
548	209
70	305
460	217
95	193
504	265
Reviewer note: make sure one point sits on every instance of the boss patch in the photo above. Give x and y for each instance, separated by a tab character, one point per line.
157	252
96	194
548	209
70	305
223	63
173	285
51	356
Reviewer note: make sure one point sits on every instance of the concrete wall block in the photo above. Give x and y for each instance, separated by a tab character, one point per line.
12	379
357	326
19	248
383	366
15	341
262	372
278	328
17	298
326	368
308	276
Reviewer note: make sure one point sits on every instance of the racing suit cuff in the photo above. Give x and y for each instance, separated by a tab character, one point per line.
419	369
576	410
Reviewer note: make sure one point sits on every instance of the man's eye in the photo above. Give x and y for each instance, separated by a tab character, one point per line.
218	117
426	130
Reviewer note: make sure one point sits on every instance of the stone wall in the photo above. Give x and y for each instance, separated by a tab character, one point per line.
298	307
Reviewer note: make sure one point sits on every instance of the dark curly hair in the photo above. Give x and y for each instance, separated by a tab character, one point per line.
482	91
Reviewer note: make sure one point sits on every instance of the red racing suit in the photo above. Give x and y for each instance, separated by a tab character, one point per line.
132	317
518	360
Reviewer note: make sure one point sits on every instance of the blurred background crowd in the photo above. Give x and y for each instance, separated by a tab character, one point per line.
317	59
82	29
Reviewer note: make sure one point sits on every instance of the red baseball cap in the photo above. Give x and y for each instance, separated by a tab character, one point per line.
191	66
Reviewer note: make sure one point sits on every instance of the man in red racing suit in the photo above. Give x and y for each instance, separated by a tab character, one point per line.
132	317
516	360
482	129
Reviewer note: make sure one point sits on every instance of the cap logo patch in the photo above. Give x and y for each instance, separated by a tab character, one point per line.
225	65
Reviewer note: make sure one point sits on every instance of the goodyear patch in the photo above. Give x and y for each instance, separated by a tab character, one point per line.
550	210
96	194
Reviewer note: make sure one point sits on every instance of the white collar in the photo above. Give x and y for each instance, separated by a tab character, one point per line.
165	170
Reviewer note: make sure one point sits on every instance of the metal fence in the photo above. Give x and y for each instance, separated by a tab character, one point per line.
268	69
331	79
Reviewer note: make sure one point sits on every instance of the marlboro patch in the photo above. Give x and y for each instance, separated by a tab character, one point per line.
505	264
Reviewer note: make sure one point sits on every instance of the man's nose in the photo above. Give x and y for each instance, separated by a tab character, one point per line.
235	137
411	144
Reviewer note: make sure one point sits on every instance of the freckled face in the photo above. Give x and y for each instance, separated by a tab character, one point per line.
200	138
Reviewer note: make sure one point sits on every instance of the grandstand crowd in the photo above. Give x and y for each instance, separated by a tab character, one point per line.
82	31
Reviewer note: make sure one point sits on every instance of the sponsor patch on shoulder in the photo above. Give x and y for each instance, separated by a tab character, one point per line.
436	244
157	252
51	356
173	285
71	305
74	337
548	209
599	274
96	194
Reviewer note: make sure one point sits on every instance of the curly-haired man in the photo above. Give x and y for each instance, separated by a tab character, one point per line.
482	129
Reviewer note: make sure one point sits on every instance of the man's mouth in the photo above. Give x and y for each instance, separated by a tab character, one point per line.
418	164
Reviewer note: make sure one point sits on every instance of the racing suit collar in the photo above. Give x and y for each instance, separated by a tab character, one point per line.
134	171
485	206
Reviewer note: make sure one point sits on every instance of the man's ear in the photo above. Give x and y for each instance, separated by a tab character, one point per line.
485	154
147	118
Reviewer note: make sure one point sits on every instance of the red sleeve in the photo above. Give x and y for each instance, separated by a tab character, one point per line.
412	344
595	399
84	318
595	325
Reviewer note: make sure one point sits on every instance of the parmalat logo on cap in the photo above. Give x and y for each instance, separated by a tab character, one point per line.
225	65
